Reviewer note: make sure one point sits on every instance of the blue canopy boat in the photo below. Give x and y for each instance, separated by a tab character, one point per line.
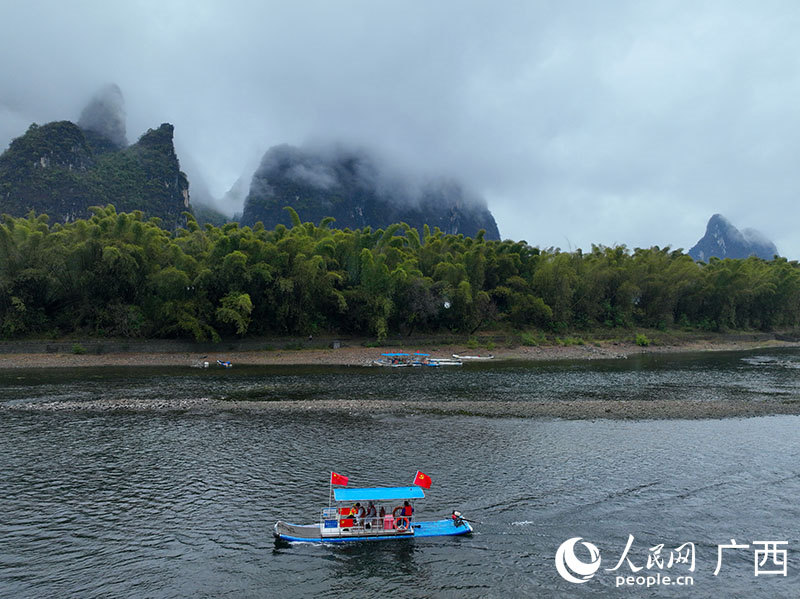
403	360
353	523
395	360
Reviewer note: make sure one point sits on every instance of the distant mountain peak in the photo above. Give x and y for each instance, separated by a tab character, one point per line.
723	240
62	170
105	116
352	186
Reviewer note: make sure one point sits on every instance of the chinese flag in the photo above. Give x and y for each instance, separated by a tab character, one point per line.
422	480
338	479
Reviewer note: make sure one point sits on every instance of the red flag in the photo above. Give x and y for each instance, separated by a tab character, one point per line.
422	480
338	479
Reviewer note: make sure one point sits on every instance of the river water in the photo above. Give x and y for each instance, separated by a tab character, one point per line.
132	504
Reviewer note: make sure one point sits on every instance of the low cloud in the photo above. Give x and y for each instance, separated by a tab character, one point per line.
620	122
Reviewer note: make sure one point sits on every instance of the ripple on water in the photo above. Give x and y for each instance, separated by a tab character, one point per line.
177	505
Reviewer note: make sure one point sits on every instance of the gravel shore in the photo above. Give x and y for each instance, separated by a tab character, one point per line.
363	356
360	356
567	410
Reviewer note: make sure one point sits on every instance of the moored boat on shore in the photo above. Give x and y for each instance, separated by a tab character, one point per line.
460	357
394	360
401	360
445	362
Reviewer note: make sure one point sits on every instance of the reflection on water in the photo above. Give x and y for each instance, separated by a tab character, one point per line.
182	505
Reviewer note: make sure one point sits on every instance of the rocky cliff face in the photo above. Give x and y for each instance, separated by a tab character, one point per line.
723	240
350	187
61	170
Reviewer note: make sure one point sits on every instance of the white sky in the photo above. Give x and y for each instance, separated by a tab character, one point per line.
580	122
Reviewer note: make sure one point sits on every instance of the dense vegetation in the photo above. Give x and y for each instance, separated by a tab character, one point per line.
61	170
120	275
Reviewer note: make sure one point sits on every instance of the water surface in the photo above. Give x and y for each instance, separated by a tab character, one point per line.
182	504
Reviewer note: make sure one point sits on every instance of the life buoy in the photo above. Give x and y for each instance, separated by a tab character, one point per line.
397	511
402	523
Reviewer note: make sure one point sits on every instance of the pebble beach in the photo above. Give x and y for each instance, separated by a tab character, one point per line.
361	356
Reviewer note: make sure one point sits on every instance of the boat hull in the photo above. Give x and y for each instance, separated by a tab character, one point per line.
286	531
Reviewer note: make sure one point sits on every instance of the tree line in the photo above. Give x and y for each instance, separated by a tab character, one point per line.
121	275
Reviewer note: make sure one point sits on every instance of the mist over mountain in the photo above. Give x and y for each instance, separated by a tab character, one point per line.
351	186
103	120
723	240
61	169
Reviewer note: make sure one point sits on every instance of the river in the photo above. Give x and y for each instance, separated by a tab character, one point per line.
181	504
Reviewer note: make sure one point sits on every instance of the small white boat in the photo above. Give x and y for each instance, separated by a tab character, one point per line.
459	357
444	362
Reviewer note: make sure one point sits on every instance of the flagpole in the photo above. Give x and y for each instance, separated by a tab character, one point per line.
330	489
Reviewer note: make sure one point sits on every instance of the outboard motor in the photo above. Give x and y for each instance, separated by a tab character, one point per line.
458	520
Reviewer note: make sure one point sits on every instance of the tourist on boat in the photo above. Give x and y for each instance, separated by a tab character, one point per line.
371	515
358	514
407	509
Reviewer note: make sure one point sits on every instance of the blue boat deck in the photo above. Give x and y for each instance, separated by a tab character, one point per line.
311	533
440	528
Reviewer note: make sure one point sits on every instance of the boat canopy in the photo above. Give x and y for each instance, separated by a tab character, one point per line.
378	494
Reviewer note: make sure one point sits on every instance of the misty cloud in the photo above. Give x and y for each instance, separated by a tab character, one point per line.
755	237
320	177
614	122
105	114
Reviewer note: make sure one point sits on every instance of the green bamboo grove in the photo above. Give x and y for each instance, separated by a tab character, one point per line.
124	276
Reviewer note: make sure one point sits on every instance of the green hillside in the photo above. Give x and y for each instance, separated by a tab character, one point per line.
60	170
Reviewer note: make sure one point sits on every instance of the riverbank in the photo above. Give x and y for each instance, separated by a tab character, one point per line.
358	355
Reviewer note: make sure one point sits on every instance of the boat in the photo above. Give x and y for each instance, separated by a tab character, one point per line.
404	360
338	524
460	357
444	362
394	360
224	363
200	363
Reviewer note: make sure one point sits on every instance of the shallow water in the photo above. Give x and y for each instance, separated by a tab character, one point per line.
182	505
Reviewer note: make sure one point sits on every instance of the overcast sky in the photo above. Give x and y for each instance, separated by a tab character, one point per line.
580	122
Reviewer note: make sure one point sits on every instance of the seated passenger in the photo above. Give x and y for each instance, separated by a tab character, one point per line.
358	514
371	515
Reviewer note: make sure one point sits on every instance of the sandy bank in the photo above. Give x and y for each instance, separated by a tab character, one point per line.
363	356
